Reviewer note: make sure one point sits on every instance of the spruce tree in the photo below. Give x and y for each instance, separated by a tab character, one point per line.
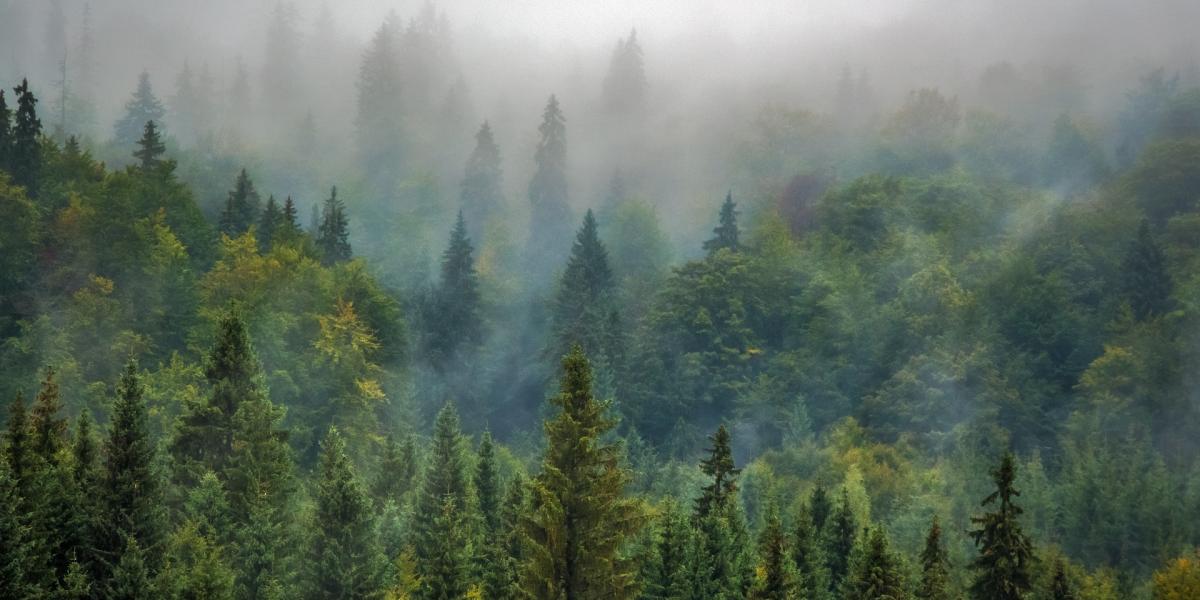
333	235
549	211
586	299
49	429
1005	552
819	507
143	107
455	323
625	83
1060	585
719	467
1146	284
241	207
150	147
776	579
131	578
129	495
86	476
6	134
725	236
25	154
378	122
500	579
445	573
442	505
345	559
18	568
482	194
269	224
840	538
487	486
580	518
935	575
666	577
396	470
18	447
812	580
877	574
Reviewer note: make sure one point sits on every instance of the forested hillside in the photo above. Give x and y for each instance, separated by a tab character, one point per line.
411	342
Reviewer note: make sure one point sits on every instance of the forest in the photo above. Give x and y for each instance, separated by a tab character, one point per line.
475	299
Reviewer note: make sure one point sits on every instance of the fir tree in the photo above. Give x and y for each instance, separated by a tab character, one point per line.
378	122
333	236
625	83
1005	553
6	134
719	467
150	147
1147	284
396	470
482	192
442	504
487	486
500	579
585	300
580	518
777	579
820	507
840	537
143	107
131	578
25	154
269	224
1060	585
725	236
811	578
935	576
18	447
129	492
666	578
455	323
18	568
290	219
549	211
444	574
877	573
241	207
344	560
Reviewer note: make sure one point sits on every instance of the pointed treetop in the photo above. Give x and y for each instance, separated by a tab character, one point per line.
150	147
725	236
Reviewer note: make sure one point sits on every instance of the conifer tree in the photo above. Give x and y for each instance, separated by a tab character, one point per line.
549	211
143	107
776	580
131	578
333	236
379	124
877	573
1147	284
580	518
396	470
1005	553
290	218
445	572
17	558
85	475
725	236
720	469
5	134
18	447
1060	585
482	194
442	505
455	323
241	207
812	581
25	154
130	495
344	560
487	486
150	147
935	576
840	538
585	300
269	224
819	507
667	574
625	83
500	579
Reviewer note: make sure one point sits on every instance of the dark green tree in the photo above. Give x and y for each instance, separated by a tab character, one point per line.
18	568
877	574
819	507
150	147
241	207
500	579
445	573
333	235
665	577
131	578
143	107
935	567
397	469
579	519
345	559
455	323
776	579
725	236
1060	585
25	154
487	486
442	506
482	193
6	133
1005	552
269	224
841	534
718	495
812	581
549	211
586	301
18	447
1146	284
48	427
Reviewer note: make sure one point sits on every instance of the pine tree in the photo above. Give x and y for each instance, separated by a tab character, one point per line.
6	134
86	477
378	122
777	580
241	207
812	580
1147	284
482	192
269	224
345	560
586	299
442	504
1060	585
840	538
719	467
150	147
25	154
877	573
129	495
1005	553
721	565
487	486
935	576
455	323
820	508
143	107
444	573
549	211
131	578
17	558
396	470
290	219
18	447
625	83
580	518
666	577
333	236
725	236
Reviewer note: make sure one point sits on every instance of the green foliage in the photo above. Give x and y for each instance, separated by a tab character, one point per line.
454	321
241	206
725	236
141	108
1005	552
150	147
481	194
775	579
549	211
935	576
876	573
333	235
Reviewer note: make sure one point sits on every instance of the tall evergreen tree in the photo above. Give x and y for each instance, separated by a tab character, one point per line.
877	574
143	107
719	467
1060	585
503	554
18	447
442	508
269	224
455	322
725	236
819	507
935	569
586	298
345	559
18	568
487	486
840	538
241	207
625	83
580	518
396	470
130	494
333	236
379	123
1147	284
48	427
482	194
25	154
131	578
666	575
812	581
776	580
549	211
6	134
150	147
1005	552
